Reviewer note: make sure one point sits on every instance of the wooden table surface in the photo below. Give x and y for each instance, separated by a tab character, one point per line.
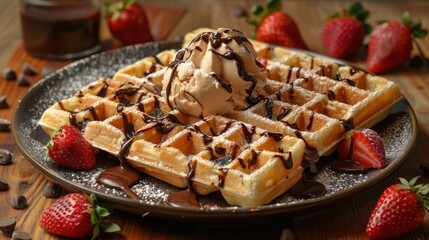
346	220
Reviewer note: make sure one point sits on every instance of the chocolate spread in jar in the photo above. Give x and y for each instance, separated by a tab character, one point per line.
60	29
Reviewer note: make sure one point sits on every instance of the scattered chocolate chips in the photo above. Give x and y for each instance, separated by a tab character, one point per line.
4	125
287	234
21	235
46	70
28	69
3	186
5	157
3	102
19	202
52	190
7	225
9	74
240	12
22	80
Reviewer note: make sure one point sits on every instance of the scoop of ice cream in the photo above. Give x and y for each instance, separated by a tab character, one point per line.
216	74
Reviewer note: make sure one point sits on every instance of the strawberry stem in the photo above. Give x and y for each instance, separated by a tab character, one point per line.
357	11
97	215
260	13
420	190
417	31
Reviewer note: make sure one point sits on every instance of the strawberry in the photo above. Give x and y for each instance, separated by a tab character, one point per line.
68	148
344	146
276	27
390	44
343	33
400	210
368	149
363	146
127	22
75	216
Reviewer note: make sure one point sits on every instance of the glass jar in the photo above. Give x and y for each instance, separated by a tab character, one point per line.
61	29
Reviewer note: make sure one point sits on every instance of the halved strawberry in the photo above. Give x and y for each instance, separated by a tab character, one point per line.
344	146
368	149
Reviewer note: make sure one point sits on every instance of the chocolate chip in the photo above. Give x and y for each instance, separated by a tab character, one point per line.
21	235
240	12
4	124
287	234
5	157
46	70
22	80
28	69
52	190
19	202
3	186
3	102
9	74
7	225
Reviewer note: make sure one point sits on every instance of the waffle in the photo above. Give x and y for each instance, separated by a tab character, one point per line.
250	156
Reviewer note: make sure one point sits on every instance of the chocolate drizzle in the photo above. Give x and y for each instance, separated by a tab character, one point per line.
276	136
269	108
222	176
348	81
288	163
226	86
331	95
187	197
284	113
248	135
348	124
310	122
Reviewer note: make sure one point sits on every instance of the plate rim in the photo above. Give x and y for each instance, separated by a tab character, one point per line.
186	213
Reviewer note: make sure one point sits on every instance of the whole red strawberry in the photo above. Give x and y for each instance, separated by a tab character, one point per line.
75	216
400	210
128	23
276	27
343	33
390	44
68	148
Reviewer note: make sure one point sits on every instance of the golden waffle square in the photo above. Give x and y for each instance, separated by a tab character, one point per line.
251	156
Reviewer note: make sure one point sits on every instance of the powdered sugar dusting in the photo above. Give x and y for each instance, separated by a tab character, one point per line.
397	132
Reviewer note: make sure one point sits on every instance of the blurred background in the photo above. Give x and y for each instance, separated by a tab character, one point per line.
178	17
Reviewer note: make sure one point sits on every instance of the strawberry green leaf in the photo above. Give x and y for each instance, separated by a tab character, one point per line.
109	227
413	181
274	5
362	16
95	231
405	18
253	22
101	211
380	21
257	10
355	8
421	33
416	25
368	28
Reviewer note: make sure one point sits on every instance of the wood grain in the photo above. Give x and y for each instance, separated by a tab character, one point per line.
345	220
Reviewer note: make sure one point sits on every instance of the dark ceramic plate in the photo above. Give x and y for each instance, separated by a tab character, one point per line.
398	130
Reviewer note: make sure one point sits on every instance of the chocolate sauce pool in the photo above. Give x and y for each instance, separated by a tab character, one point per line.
120	178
